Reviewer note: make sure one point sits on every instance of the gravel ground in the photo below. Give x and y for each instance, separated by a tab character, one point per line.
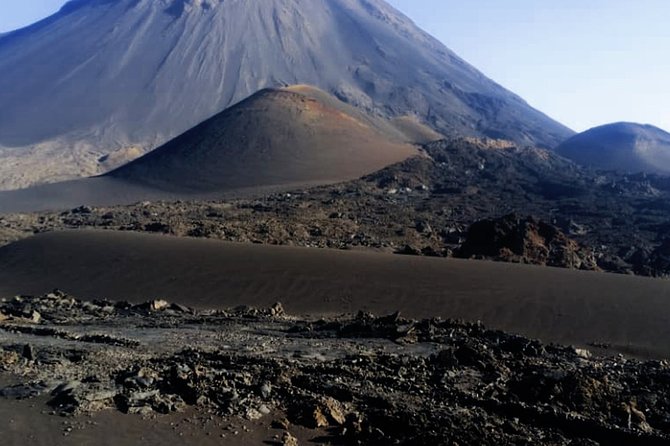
362	379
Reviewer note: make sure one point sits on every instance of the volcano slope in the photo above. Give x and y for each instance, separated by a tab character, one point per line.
276	139
101	81
624	147
281	137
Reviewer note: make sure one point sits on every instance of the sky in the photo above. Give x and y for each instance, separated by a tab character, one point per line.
582	62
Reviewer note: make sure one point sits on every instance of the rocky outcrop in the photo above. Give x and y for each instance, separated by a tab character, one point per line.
525	240
651	260
362	379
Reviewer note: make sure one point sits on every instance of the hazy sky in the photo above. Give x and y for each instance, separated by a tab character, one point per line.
583	62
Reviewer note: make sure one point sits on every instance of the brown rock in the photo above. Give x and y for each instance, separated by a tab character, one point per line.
158	305
8	358
277	310
316	418
34	317
638	418
334	411
281	423
583	353
525	240
289	440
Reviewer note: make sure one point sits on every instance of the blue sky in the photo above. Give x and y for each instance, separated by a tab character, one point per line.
18	13
583	62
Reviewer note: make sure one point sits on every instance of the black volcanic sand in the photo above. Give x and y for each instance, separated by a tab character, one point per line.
27	422
621	313
106	191
97	191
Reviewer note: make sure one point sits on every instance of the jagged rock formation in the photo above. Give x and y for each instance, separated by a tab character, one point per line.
101	80
525	240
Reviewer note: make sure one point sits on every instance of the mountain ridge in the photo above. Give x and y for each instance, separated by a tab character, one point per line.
116	75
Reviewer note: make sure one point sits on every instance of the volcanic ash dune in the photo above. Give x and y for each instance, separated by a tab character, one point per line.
625	314
276	137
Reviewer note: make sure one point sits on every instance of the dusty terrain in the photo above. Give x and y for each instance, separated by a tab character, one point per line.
394	327
32	422
564	215
617	312
414	381
360	379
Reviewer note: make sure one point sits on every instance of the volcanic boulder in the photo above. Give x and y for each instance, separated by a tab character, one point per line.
525	240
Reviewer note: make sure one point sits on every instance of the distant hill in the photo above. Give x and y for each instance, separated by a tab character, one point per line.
296	135
101	81
623	147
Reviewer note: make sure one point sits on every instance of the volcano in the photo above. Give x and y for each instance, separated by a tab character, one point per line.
282	137
623	147
102	82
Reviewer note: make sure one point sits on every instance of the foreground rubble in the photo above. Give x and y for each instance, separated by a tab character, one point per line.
368	380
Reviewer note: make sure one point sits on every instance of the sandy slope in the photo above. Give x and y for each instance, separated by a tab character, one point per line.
105	76
26	422
273	138
70	194
623	146
632	314
107	191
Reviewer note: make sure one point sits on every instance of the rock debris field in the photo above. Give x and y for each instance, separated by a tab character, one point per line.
363	379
